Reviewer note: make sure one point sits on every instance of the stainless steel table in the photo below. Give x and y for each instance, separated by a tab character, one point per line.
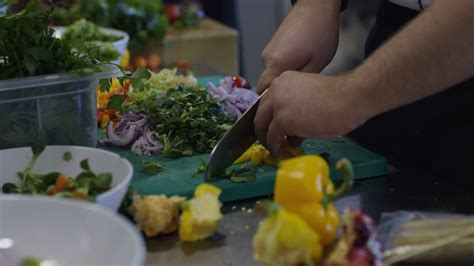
233	245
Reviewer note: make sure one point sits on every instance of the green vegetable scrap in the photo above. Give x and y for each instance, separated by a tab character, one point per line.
87	185
201	169
67	156
152	168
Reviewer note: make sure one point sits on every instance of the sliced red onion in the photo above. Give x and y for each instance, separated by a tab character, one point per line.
235	101
121	140
130	127
147	144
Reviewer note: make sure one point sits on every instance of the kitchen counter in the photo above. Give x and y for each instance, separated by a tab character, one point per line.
404	190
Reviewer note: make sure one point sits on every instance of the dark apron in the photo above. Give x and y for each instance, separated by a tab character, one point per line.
435	134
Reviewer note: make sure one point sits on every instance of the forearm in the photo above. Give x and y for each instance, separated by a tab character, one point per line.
434	52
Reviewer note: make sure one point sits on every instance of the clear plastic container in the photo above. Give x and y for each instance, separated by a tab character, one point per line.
58	109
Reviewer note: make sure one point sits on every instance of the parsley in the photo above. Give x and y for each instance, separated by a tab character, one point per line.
188	120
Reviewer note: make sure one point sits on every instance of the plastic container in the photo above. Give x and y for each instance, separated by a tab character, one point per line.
58	109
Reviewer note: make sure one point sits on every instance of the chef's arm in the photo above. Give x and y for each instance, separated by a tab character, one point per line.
432	53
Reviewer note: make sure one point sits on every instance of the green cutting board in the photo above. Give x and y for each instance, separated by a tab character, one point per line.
177	179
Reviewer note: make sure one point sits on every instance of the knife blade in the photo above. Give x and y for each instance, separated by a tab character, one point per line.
234	142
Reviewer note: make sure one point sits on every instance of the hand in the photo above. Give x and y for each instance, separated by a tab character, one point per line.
306	105
306	40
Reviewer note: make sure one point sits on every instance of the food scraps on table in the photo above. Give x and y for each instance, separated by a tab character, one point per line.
159	214
201	214
86	186
156	214
359	245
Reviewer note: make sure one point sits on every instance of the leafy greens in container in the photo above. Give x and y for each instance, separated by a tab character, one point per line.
47	85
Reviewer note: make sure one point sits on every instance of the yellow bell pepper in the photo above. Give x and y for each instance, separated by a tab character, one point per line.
303	187
258	154
201	215
284	238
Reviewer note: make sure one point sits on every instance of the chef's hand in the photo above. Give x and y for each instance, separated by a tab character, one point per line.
306	105
306	40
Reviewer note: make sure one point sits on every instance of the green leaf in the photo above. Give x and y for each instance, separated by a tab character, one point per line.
67	156
152	168
243	179
116	101
138	77
102	182
37	149
85	165
9	188
105	84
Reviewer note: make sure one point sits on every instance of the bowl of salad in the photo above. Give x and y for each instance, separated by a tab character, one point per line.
112	42
70	172
39	231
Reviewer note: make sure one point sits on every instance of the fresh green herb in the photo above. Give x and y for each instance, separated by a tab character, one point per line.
241	174
201	169
28	48
87	185
152	168
67	156
187	119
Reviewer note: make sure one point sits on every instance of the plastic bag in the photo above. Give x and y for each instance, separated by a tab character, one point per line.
427	237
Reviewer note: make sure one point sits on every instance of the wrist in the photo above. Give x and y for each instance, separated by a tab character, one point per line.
362	98
331	5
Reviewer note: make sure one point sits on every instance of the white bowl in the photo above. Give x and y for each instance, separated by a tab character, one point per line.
120	45
67	232
51	160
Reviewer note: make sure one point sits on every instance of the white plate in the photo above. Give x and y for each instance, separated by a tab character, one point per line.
66	232
15	160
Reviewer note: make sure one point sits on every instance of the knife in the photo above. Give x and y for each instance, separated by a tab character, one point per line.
233	144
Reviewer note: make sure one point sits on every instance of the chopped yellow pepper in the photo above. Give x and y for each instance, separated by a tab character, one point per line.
258	154
284	238
303	187
201	215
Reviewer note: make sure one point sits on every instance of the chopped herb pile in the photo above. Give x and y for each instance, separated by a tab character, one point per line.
188	120
86	186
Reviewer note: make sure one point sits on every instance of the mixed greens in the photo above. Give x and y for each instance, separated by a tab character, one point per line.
168	114
144	19
86	186
88	31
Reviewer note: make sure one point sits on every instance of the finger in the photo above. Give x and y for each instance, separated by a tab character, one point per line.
295	141
262	120
266	78
275	136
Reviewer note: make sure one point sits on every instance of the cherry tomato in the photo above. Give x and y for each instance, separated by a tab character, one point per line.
173	12
238	82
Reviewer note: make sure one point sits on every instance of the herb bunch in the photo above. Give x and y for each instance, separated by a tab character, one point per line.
28	48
